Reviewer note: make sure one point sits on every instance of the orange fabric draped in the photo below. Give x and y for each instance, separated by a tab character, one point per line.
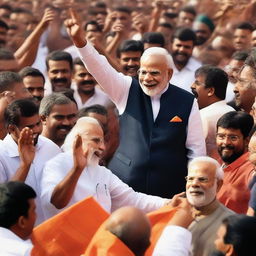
159	220
69	232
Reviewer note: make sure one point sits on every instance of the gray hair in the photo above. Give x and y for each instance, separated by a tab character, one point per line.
207	159
79	128
158	51
49	101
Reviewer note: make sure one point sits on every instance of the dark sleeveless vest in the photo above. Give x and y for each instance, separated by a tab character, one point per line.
152	157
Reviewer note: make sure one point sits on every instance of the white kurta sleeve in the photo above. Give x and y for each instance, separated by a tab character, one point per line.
195	142
115	84
123	195
174	241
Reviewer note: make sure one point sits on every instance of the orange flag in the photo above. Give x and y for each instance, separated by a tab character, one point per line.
159	219
69	232
105	243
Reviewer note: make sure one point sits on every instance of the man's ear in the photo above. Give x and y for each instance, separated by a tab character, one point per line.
170	72
43	119
21	222
219	184
230	250
11	128
211	91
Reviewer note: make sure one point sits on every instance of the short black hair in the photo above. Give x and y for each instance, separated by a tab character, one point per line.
251	60
214	77
8	79
96	108
237	120
59	56
123	9
245	25
94	23
78	61
3	24
240	55
165	25
30	71
184	34
14	203
153	38
130	45
189	9
20	108
241	233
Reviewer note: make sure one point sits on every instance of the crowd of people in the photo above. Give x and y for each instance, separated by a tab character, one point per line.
140	104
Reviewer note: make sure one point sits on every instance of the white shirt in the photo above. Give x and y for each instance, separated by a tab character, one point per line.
185	77
174	241
117	87
12	245
97	181
10	162
99	97
210	116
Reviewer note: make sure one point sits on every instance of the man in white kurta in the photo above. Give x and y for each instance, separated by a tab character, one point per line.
62	175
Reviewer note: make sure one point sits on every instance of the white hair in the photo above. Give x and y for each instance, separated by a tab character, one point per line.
207	159
159	51
79	128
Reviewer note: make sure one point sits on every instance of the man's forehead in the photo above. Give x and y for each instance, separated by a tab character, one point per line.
200	168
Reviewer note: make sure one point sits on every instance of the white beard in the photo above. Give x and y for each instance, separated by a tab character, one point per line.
92	159
201	200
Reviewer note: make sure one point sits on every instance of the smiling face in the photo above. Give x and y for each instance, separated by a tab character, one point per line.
181	52
59	122
93	140
154	74
231	144
130	62
201	186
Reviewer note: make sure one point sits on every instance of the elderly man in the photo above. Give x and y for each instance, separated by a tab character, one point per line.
159	124
75	174
203	181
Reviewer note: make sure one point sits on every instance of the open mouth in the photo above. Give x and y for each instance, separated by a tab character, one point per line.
98	154
196	193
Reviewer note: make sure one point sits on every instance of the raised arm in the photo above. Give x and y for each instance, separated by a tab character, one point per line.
64	191
27	52
115	84
27	152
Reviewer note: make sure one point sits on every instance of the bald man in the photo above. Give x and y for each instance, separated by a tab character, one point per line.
160	125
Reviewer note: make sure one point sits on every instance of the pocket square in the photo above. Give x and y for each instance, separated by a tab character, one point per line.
176	119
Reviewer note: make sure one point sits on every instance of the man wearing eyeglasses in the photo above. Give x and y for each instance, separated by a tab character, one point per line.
204	180
160	125
232	138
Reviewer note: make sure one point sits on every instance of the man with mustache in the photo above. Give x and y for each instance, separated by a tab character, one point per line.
3	33
204	180
23	152
58	114
87	93
184	64
75	174
34	81
232	139
59	66
209	88
157	119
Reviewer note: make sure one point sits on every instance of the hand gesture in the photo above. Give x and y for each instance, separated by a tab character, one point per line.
48	16
26	147
75	30
79	156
